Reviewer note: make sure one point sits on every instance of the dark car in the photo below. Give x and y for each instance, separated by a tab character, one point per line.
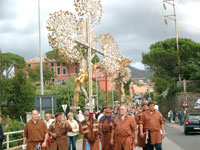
192	123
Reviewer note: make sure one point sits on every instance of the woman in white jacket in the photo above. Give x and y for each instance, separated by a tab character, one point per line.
75	131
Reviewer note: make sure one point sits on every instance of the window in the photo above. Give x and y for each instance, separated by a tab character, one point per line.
64	64
58	64
76	70
58	70
52	64
64	71
29	65
194	117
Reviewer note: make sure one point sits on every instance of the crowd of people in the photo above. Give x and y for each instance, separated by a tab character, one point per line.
123	128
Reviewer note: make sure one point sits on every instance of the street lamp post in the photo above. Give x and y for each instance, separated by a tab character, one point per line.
40	50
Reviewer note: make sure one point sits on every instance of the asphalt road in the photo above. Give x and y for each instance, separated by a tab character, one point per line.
176	140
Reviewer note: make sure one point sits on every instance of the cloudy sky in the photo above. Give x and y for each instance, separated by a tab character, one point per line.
135	24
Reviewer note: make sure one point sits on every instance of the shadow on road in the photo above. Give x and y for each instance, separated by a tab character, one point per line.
193	134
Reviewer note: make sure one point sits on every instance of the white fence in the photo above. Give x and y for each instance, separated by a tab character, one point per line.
7	134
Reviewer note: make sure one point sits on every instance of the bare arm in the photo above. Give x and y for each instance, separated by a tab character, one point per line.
141	130
163	130
112	133
112	137
24	140
136	137
25	135
46	137
45	140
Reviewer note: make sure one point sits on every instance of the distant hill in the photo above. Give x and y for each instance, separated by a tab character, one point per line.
136	73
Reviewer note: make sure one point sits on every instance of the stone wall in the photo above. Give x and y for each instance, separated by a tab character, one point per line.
175	103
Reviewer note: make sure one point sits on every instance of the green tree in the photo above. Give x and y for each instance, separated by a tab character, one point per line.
48	74
54	55
162	59
65	94
19	96
8	61
126	87
33	74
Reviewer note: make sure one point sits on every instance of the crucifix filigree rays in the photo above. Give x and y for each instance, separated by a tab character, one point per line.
68	30
89	8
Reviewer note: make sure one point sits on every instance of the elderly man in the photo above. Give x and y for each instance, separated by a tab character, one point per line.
123	127
152	123
58	130
48	119
48	122
89	130
105	125
35	132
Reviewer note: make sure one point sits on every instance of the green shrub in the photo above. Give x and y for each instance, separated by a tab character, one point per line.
11	125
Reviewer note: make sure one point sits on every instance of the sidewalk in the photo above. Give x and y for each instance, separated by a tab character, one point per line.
175	125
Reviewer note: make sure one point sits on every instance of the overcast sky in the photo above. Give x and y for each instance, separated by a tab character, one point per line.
135	24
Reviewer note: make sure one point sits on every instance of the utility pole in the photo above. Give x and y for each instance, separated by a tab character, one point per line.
173	17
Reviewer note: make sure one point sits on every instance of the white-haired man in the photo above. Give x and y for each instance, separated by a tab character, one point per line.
123	128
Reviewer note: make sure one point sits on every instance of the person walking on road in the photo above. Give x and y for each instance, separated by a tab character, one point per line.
35	132
58	130
168	115
48	122
122	133
48	119
105	125
171	116
141	140
180	117
75	131
152	124
89	129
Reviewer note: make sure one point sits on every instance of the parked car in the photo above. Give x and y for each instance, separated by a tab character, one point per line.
192	123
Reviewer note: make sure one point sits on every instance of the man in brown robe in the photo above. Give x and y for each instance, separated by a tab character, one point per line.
105	127
35	132
58	130
123	127
152	121
89	129
141	140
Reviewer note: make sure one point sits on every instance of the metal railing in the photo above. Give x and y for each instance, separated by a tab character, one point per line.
7	134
